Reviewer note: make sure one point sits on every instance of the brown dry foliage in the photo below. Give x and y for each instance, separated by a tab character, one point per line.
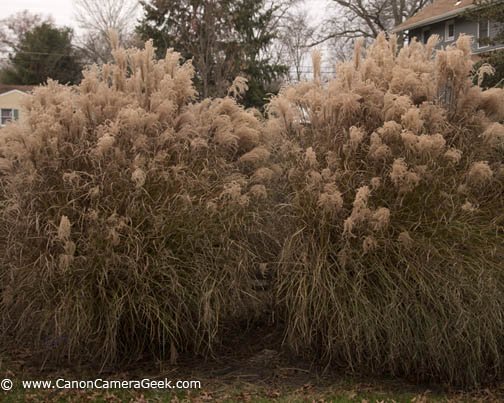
393	258
134	219
126	210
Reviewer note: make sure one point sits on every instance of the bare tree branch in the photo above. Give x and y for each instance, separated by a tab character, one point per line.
97	18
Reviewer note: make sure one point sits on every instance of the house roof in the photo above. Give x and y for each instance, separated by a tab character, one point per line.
438	11
7	88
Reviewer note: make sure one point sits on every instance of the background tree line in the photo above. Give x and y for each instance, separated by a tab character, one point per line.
224	39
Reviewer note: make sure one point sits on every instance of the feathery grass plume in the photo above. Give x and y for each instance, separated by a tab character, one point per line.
453	155
238	88
262	175
484	70
376	182
395	281
311	157
258	192
199	144
378	150
494	135
357	52
360	211
369	244
355	138
113	38
411	120
492	102
390	131
402	177
395	106
135	165
256	156
317	64
64	229
431	145
330	200
479	173
281	107
138	177
380	219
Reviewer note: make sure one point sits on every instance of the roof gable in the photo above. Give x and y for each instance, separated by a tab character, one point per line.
13	91
5	88
437	11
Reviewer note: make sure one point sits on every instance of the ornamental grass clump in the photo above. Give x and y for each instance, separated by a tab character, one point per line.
127	214
393	211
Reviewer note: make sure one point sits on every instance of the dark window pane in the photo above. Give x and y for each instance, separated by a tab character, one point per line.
6	116
451	30
483	29
426	35
6	113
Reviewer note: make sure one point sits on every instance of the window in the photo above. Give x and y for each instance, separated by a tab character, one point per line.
450	30
483	33
8	115
426	33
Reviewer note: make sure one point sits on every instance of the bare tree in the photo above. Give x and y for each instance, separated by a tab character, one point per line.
96	18
295	35
367	18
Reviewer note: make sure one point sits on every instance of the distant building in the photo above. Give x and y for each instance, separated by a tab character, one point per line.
447	19
11	102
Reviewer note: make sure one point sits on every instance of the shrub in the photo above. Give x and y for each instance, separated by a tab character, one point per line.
127	213
394	253
496	60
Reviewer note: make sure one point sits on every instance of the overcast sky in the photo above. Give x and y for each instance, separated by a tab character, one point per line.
63	10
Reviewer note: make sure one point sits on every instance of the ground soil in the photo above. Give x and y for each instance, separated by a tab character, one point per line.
248	367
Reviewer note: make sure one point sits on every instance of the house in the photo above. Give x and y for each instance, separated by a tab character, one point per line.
11	102
447	18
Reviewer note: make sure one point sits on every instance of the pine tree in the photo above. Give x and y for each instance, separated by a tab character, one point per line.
223	38
44	52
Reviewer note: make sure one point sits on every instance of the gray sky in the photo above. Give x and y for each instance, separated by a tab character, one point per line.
63	10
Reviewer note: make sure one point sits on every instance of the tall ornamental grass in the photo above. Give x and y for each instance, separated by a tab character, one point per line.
127	213
393	260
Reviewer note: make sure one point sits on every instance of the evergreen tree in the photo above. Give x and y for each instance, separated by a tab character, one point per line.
224	39
43	52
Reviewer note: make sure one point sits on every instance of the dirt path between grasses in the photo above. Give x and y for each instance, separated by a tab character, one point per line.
245	371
